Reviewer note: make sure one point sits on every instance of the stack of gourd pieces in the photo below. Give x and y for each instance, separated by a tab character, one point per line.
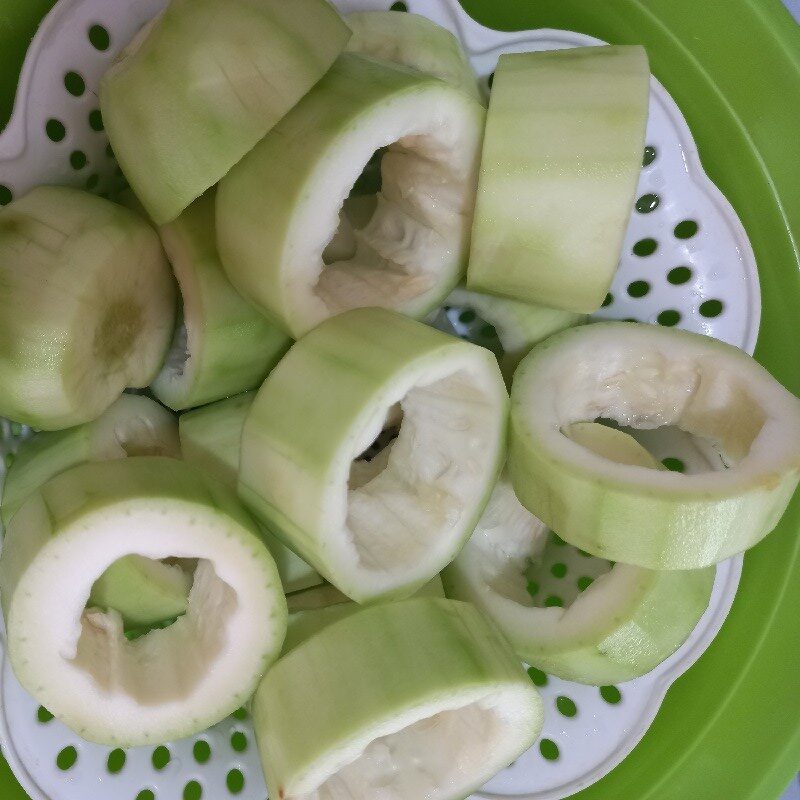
297	176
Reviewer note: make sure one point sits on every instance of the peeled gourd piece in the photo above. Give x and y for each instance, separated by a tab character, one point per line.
88	306
279	208
221	346
646	377
561	159
625	622
420	698
372	449
75	659
203	82
211	440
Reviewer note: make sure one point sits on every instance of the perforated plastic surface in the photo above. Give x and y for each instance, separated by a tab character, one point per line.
686	261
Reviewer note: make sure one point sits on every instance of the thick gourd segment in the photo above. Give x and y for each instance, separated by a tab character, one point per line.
211	440
278	209
76	661
623	625
377	515
134	425
222	346
519	326
211	436
142	591
647	377
203	82
413	41
456	709
88	306
312	610
561	158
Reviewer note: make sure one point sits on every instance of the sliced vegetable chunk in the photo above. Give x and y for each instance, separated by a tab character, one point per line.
278	209
646	377
413	41
134	425
76	661
143	591
377	516
561	158
203	82
211	440
457	709
222	346
626	622
88	306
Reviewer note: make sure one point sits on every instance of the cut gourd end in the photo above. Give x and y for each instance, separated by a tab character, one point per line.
624	621
77	662
646	377
377	521
459	708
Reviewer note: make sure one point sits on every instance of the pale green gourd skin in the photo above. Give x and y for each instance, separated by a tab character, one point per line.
654	520
133	425
285	195
211	440
88	306
230	347
670	605
76	510
660	610
83	489
519	325
39	459
196	94
313	410
401	657
143	591
313	610
414	41
647	614
211	436
549	225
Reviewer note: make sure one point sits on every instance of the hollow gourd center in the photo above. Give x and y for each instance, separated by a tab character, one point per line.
406	493
116	334
137	434
147	593
440	750
385	249
646	390
672	448
356	211
354	216
375	458
557	575
165	663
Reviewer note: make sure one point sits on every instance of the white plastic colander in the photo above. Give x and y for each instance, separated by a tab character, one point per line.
686	261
